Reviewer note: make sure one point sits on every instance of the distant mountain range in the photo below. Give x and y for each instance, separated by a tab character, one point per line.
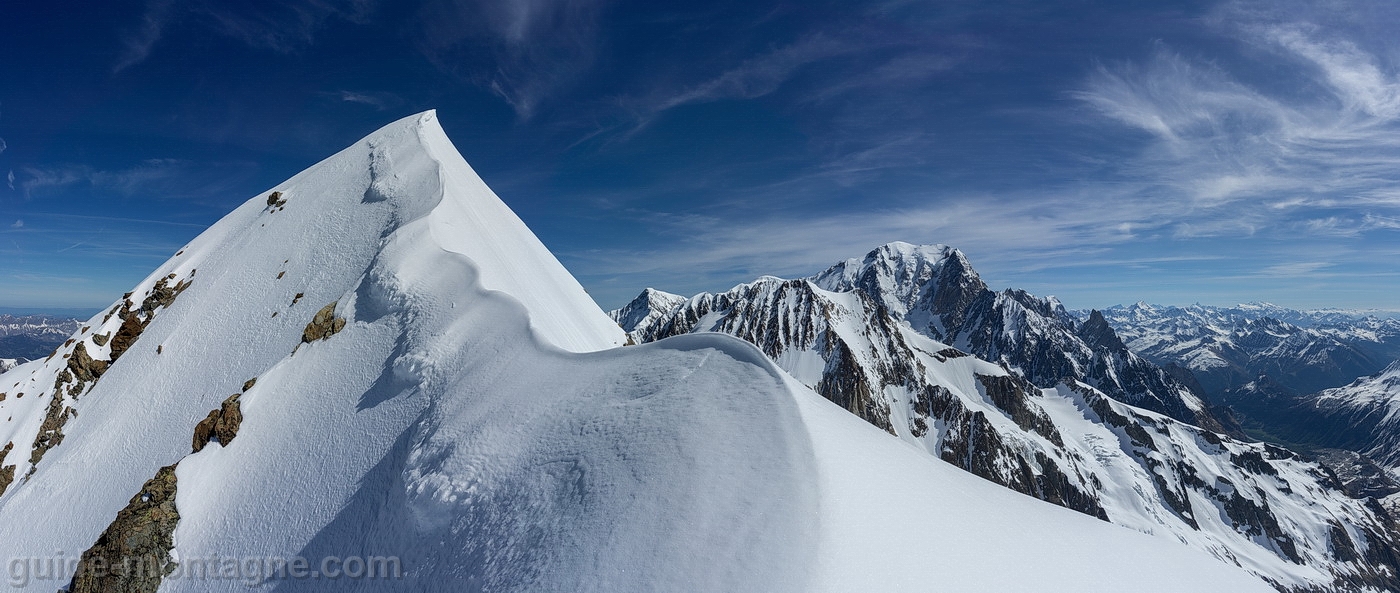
1315	380
1019	391
1227	347
29	337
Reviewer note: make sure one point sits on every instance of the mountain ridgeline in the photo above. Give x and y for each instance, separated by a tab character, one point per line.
1015	389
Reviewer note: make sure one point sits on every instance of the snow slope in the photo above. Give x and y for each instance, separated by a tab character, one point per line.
473	419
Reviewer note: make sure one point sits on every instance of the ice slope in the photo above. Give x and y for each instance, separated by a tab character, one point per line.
472	420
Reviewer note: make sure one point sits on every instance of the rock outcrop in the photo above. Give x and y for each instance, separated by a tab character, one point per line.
324	325
221	425
133	554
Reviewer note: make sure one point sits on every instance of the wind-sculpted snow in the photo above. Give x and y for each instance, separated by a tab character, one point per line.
862	347
420	381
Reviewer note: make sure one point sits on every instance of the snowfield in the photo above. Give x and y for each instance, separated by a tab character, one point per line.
476	418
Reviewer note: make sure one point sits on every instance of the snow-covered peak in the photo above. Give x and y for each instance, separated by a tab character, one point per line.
644	310
467	218
901	261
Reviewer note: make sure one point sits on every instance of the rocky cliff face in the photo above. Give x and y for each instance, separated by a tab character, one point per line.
1009	387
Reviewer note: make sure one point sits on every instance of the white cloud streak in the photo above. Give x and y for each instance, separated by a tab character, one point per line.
137	44
536	47
755	77
1330	142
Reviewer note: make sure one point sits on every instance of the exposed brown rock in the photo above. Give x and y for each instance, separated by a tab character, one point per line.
7	472
101	339
281	274
249	384
50	431
163	294
324	325
274	200
127	334
221	424
83	366
133	554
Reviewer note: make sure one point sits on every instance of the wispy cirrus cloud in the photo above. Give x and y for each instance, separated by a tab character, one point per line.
1295	269
754	77
155	178
525	51
138	42
281	26
1326	140
380	101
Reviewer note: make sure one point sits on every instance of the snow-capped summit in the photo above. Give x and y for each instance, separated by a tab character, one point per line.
377	359
935	289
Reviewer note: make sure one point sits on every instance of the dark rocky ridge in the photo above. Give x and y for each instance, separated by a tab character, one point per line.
221	425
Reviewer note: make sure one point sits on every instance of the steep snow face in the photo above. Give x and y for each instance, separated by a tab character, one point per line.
418	381
1257	506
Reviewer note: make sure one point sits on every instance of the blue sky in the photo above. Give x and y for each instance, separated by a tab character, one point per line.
1104	152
